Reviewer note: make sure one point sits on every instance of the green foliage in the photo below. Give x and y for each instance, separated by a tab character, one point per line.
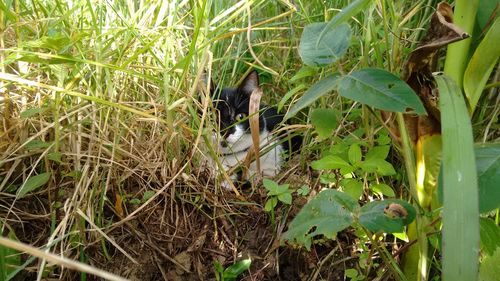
490	236
316	51
489	269
482	64
33	183
460	191
353	275
10	259
488	172
324	121
232	272
316	91
389	215
380	89
332	211
275	193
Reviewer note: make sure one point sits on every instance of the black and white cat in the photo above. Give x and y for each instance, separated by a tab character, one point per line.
234	139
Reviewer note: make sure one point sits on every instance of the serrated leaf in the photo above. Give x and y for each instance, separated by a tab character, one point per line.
332	45
320	88
324	121
331	162
353	187
376	218
378	152
384	189
326	214
380	89
490	235
33	183
354	154
488	173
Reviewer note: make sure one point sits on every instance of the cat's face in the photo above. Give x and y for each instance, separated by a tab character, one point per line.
232	105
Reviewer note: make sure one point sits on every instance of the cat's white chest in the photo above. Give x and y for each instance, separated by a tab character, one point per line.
271	159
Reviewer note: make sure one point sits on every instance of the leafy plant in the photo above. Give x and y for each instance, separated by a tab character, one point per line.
231	272
275	193
332	211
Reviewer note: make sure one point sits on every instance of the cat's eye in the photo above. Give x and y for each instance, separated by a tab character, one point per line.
240	116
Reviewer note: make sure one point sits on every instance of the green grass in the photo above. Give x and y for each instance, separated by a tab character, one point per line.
106	96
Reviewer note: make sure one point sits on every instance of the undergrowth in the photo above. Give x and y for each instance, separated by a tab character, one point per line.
102	155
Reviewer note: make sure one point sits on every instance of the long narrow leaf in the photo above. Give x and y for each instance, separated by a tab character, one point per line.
460	191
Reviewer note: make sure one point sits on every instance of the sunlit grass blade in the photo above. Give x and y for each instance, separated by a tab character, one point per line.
460	190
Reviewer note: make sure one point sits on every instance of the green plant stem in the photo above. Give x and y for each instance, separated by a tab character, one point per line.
420	220
457	54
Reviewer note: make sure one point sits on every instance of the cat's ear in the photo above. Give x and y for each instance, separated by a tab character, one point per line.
250	83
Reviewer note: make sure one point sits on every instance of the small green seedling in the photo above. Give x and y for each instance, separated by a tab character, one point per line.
232	272
275	193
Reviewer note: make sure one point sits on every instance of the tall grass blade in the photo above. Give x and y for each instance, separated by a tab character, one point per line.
460	189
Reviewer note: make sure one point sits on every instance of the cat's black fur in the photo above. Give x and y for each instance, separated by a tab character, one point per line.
232	105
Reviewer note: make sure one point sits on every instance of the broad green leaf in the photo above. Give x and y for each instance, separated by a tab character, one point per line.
55	156
279	189
380	89
384	189
270	184
347	13
488	173
485	10
285	198
388	216
270	204
353	187
354	154
324	121
331	162
481	65
33	183
378	152
332	45
460	190
326	214
489	269
32	111
377	165
316	91
490	236
233	271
